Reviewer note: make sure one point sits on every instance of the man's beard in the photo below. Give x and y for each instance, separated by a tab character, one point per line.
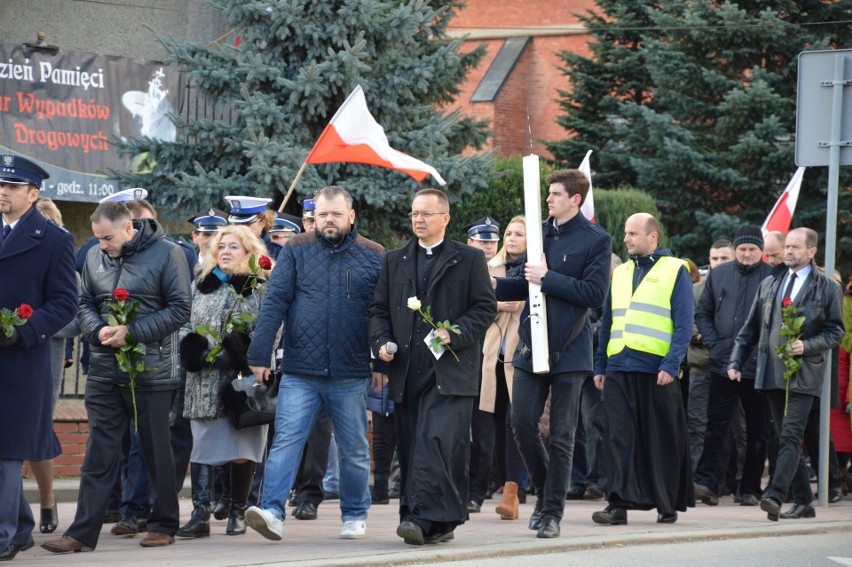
334	236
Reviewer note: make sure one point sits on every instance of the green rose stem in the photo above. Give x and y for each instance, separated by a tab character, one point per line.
791	328
123	312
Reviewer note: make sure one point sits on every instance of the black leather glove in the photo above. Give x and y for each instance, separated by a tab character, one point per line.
236	345
193	349
11	339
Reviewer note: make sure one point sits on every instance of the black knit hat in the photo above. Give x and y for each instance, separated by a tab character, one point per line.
749	234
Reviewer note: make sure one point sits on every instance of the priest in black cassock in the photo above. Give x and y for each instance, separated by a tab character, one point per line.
645	330
433	397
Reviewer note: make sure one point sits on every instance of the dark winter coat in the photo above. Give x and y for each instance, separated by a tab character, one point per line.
729	291
156	274
36	268
321	293
579	255
820	300
459	291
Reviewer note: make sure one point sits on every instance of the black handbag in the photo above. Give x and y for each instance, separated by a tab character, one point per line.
250	403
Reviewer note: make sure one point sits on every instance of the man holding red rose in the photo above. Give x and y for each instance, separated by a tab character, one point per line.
37	281
136	261
818	299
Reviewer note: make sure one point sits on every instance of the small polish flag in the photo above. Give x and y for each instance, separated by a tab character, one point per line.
354	136
782	213
588	207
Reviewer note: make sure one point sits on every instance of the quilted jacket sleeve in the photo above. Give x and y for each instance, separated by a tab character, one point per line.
273	310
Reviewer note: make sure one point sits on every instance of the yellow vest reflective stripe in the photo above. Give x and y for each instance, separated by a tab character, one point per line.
642	320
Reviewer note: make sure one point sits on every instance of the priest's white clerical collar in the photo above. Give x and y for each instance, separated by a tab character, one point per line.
429	249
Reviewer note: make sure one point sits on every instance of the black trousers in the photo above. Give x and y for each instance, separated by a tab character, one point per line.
181	432
110	410
586	469
308	483
481	452
790	469
549	468
384	445
724	396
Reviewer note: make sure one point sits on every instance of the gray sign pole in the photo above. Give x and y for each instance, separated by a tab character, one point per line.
820	71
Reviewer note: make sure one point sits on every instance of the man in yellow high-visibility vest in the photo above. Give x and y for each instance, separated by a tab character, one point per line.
645	330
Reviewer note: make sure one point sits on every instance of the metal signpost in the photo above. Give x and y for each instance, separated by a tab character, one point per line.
825	139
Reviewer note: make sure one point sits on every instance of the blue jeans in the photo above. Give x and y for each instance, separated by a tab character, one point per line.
331	480
299	402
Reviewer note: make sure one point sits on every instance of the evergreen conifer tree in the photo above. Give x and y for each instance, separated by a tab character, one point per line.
694	101
296	63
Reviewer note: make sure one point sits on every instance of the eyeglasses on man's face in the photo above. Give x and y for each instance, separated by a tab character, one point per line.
423	214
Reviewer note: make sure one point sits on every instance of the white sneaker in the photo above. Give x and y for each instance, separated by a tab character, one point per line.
265	523
353	529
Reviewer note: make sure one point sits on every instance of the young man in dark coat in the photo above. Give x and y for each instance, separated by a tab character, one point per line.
36	269
574	276
134	255
433	397
818	298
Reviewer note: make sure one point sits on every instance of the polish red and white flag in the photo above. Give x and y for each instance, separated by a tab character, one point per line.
588	207
354	136
782	213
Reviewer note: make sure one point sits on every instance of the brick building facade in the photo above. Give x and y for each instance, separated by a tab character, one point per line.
521	74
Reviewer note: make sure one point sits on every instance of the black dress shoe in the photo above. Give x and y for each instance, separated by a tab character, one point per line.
706	495
410	533
771	506
306	511
667	518
549	528
593	493
535	519
49	520
749	500
799	511
15	549
575	494
611	516
126	525
474	507
835	495
438	538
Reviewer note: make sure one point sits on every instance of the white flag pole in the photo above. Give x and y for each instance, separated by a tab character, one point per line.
535	249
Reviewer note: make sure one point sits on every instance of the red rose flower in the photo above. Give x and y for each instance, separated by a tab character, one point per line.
121	294
787	302
24	311
264	262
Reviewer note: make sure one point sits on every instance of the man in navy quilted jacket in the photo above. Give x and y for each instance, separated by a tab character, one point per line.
320	290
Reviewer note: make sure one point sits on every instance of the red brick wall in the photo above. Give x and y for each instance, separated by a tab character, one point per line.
512	13
536	79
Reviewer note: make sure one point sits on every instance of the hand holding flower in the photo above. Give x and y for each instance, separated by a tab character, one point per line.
441	336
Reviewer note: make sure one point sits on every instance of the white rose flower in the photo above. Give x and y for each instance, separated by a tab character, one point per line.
413	303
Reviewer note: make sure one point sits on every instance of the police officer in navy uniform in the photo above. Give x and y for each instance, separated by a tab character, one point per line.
37	269
484	234
254	212
284	227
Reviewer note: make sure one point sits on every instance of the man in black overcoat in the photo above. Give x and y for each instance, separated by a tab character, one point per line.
433	397
36	269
